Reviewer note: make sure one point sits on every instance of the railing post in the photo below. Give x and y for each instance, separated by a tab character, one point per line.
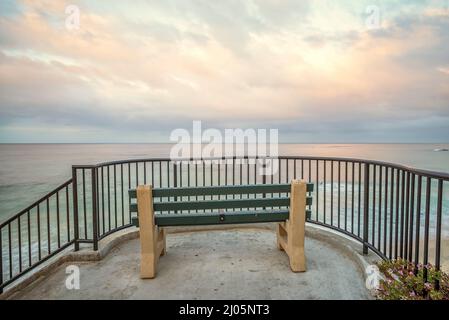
94	208
75	208
365	208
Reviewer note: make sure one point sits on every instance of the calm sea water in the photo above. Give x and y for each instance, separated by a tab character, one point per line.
29	171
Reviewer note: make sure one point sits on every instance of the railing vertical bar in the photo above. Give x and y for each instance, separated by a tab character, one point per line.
97	199
365	208
310	170
152	174
115	196
1	260
438	231
122	189
212	173
317	190
196	178
402	214
204	176
29	239
272	177
379	216
294	168
352	197
396	233
426	227
129	174
175	179
129	187
338	194
180	174
48	227
102	201
407	214
332	192
324	192
10	250
168	173
359	196
84	204
240	175
373	230
67	211
247	172
390	255
279	173
137	173
75	211
58	227
346	195
418	222
95	207
302	168
188	180
109	197
385	211
39	252
411	215
19	238
160	174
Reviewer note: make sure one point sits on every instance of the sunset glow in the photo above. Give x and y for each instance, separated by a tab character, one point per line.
134	71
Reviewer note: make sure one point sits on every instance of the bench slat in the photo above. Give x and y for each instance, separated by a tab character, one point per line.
236	217
220	190
226	218
220	204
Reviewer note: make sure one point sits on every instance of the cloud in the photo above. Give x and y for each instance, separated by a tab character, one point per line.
311	69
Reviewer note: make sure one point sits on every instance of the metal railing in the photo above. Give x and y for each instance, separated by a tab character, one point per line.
393	210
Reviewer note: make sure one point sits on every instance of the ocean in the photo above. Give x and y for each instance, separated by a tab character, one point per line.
29	171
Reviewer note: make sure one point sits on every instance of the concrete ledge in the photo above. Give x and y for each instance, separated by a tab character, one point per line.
345	245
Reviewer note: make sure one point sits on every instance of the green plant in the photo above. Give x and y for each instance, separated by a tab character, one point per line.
405	281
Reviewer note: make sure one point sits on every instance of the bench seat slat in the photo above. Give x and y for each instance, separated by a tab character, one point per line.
235	217
220	190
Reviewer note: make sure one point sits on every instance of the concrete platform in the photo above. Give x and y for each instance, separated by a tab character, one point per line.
218	264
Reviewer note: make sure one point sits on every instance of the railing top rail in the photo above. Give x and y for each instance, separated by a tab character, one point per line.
422	172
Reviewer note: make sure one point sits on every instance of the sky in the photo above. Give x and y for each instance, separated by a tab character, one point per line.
134	71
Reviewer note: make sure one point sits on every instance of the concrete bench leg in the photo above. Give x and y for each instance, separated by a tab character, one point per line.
152	238
291	233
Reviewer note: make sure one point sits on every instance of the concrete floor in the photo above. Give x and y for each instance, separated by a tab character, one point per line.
220	264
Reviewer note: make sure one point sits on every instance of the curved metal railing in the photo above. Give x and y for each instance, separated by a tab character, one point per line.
393	210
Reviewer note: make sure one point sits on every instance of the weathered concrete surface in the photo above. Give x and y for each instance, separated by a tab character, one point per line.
220	264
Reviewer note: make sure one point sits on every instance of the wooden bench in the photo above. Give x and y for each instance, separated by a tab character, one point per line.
168	207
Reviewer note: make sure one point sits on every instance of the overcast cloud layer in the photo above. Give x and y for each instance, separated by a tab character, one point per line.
135	70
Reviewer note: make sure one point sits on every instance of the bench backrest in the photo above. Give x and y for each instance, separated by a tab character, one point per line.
208	199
